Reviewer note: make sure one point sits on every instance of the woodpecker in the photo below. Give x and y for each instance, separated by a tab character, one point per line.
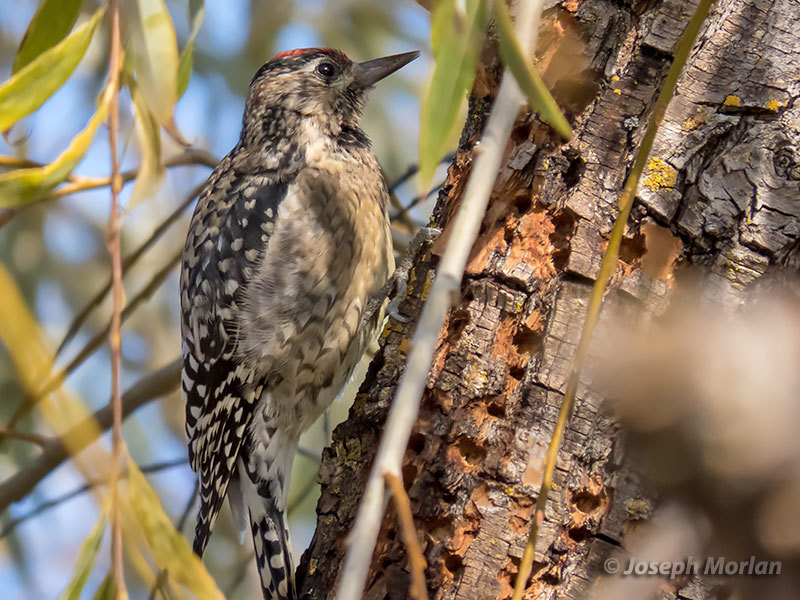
288	248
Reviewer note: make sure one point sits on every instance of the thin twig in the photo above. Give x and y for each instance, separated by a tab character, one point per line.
416	561
127	263
148	388
79	183
607	268
33	438
115	335
310	454
447	283
403	212
79	491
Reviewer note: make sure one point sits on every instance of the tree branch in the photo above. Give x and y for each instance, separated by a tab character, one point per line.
93	344
81	183
416	561
80	490
150	387
127	263
463	233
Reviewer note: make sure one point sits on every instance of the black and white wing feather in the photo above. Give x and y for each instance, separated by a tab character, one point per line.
231	225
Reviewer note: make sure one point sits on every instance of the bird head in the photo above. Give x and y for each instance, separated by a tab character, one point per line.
320	85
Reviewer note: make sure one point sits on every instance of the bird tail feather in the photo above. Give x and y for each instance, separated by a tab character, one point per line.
273	555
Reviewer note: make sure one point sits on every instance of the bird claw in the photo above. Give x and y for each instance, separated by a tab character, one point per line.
399	279
397	286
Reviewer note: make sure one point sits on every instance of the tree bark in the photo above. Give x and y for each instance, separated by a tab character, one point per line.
720	194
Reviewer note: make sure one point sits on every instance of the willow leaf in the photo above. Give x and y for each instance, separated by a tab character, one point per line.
169	548
155	56
21	186
85	562
33	84
456	38
197	11
50	24
530	82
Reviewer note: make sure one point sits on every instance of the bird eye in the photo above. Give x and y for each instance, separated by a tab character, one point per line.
326	69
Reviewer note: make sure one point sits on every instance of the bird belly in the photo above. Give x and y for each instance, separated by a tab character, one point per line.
305	333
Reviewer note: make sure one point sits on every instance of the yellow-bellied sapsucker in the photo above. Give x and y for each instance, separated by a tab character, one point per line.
288	245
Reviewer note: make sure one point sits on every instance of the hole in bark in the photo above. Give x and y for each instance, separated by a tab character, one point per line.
440	529
632	248
457	324
580	534
495	409
454	564
564	227
576	166
508	236
550	578
517	372
527	341
409	475
520	134
586	502
416	443
472	452
523	203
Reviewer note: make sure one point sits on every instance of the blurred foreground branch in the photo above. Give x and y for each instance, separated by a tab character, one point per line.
78	183
80	490
150	387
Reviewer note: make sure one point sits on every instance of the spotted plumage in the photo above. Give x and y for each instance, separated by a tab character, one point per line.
288	244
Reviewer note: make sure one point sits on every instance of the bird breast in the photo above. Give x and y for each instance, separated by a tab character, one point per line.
330	251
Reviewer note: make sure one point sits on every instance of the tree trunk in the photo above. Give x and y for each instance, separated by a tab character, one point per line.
720	193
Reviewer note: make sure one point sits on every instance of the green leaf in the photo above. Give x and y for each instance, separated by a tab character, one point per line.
151	171
107	590
528	79
52	21
28	88
197	11
169	548
21	186
456	38
155	56
85	560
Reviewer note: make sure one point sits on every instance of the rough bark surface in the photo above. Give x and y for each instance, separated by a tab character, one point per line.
720	193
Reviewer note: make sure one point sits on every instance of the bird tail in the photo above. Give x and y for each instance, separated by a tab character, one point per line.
273	553
263	491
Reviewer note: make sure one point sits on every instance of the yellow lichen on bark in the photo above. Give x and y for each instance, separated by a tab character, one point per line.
659	175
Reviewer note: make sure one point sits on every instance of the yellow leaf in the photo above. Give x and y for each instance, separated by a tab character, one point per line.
29	87
169	548
528	79
456	38
155	56
52	21
197	11
107	589
85	562
151	168
21	186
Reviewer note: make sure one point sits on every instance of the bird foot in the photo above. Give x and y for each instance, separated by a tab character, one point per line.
397	286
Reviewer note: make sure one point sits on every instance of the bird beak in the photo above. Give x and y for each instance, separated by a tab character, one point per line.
372	71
